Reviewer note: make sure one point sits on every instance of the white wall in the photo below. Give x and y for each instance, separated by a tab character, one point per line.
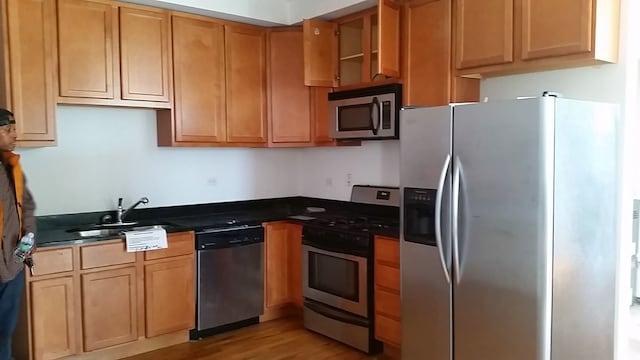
106	153
616	83
263	12
323	171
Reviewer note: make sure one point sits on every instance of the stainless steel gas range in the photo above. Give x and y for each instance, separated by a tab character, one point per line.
338	266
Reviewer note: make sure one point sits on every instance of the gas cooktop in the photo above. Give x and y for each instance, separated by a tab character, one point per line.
356	223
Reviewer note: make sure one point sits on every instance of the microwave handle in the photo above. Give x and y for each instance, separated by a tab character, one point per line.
375	105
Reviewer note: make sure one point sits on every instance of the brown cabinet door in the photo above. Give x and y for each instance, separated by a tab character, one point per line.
320	53
198	62
427	72
556	27
484	32
109	313
169	296
53	317
87	44
290	113
388	38
295	264
246	84
320	114
144	54
32	75
276	265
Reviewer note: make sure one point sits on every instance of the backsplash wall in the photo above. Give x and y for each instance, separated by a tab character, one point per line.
106	153
325	172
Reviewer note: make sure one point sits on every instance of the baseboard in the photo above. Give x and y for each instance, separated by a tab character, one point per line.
134	348
282	311
391	352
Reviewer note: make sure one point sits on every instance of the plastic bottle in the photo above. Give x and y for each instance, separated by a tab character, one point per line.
24	247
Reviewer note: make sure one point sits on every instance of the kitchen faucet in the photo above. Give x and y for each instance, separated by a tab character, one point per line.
121	213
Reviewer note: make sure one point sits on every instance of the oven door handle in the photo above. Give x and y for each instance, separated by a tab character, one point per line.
328	250
336	315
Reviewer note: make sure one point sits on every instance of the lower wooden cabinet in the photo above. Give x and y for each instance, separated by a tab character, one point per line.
294	236
169	295
54	318
109	308
387	290
283	267
86	299
276	284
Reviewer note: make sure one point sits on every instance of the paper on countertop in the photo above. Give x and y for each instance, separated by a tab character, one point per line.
142	240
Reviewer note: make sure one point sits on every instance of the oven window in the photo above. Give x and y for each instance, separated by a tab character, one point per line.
354	117
334	275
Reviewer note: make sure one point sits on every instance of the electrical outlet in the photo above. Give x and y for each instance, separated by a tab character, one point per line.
349	179
328	181
212	181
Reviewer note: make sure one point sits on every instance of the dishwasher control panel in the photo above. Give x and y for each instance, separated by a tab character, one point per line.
219	238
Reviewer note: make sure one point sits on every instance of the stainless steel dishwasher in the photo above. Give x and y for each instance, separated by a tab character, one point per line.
230	279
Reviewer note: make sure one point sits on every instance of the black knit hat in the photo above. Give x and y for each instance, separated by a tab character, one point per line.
6	117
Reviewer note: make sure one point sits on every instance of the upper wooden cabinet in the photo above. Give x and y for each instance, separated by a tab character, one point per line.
320	53
200	91
28	78
92	34
144	54
516	36
320	116
484	32
427	72
220	85
547	30
354	49
385	53
290	112
299	115
246	74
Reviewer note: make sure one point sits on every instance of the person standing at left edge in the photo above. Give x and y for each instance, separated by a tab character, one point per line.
16	219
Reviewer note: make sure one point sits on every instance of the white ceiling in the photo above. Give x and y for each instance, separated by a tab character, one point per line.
264	12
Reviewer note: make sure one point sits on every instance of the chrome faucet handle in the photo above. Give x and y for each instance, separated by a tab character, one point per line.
120	203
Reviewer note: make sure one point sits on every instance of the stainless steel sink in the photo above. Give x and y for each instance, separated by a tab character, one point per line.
115	226
92	232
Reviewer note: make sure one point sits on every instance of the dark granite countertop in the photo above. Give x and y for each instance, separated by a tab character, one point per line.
58	230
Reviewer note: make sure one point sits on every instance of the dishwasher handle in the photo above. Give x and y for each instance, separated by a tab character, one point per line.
227	229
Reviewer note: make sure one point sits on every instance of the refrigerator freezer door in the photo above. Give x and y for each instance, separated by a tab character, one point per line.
501	302
425	289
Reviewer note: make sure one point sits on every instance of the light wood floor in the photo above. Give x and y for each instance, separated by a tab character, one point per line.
274	340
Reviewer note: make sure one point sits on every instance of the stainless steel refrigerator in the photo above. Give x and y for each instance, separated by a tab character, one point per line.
509	230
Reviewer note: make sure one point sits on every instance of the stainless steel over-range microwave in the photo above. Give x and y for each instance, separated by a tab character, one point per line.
367	113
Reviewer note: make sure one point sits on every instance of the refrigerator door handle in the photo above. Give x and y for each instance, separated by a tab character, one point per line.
438	216
455	198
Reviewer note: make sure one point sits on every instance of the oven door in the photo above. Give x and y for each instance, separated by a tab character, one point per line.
335	279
